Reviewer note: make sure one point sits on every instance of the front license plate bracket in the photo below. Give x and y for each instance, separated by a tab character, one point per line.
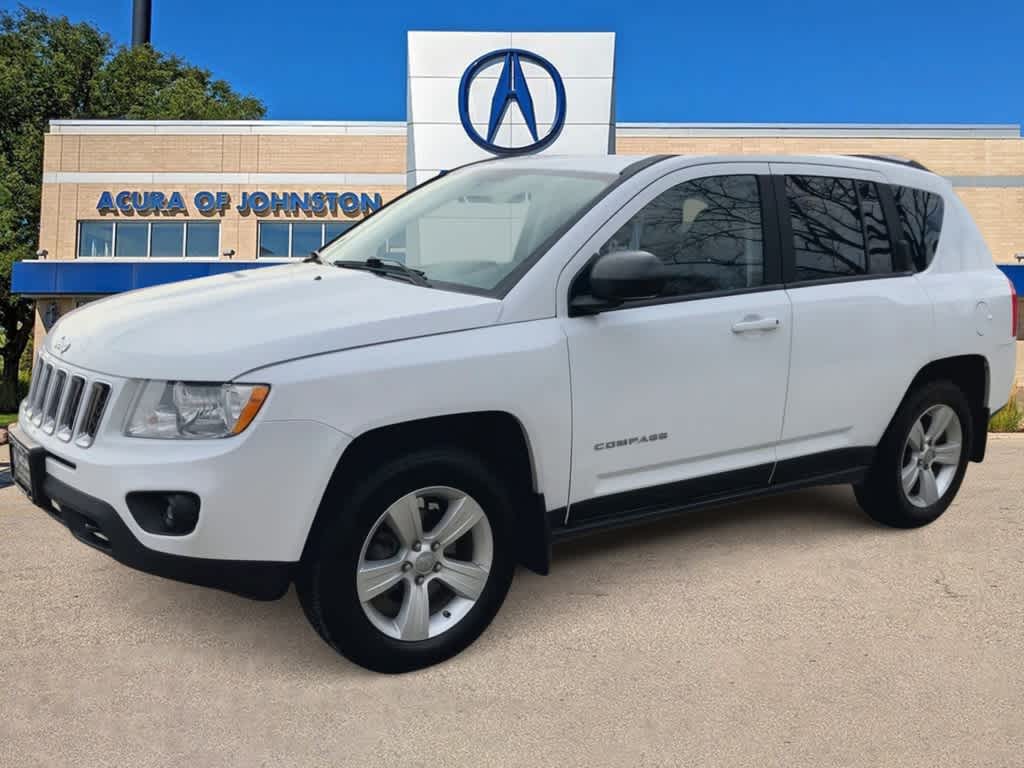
28	468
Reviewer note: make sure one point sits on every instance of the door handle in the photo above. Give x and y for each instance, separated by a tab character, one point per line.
755	323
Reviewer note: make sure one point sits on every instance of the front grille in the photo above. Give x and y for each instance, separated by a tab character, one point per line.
66	403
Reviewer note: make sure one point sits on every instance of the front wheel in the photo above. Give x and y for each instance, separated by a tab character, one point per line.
414	563
921	461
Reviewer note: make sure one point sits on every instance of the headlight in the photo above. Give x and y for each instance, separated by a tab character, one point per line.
181	409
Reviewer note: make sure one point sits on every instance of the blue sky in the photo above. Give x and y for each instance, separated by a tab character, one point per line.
706	61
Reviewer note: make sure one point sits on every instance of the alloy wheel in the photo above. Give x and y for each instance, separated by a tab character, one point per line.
425	563
931	455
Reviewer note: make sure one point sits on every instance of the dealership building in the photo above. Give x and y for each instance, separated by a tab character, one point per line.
128	204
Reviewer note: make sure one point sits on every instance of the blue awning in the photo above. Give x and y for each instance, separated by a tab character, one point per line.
1016	274
80	277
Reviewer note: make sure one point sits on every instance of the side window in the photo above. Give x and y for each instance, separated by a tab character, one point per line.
707	231
921	221
828	238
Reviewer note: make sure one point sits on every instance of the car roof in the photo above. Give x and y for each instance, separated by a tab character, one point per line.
618	164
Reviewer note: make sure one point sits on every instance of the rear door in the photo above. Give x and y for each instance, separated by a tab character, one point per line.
861	321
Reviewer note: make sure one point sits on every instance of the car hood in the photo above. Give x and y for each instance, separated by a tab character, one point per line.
217	328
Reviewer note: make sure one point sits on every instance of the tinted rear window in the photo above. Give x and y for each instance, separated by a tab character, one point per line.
921	221
828	237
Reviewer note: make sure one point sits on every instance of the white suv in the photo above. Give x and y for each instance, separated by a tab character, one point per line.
517	352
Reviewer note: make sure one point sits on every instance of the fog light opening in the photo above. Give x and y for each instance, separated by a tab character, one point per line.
166	513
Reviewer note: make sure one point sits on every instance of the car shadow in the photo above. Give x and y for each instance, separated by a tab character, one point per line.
279	629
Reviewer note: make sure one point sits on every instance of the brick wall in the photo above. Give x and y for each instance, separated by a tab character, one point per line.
295	153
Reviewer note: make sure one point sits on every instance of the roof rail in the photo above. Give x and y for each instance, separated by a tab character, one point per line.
897	160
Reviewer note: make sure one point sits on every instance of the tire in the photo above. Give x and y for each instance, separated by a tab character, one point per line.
371	527
884	494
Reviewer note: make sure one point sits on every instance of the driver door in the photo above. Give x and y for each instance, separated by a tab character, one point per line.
680	398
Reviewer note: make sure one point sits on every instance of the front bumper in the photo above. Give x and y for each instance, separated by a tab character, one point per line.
259	494
97	524
259	491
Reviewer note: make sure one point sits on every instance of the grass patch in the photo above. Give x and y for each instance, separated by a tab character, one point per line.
1010	418
6	419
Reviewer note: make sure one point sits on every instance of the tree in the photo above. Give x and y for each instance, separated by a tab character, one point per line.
51	68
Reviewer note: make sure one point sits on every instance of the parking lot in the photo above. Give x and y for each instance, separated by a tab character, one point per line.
791	631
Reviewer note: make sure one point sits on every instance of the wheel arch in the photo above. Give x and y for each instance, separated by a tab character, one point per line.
497	436
971	374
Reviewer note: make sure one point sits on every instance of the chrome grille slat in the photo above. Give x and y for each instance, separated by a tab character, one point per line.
92	414
54	401
41	394
65	402
69	411
33	386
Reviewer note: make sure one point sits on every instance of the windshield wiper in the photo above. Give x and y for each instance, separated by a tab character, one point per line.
387	268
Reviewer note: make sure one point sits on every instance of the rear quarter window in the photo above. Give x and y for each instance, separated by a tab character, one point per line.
921	221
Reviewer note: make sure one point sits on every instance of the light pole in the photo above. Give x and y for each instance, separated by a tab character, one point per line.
142	22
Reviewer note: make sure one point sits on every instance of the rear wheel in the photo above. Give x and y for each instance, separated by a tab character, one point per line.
921	461
414	563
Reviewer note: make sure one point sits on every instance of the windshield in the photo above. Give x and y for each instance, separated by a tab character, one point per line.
473	227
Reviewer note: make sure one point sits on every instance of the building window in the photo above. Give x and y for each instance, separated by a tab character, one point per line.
131	238
148	239
297	239
306	238
202	239
165	241
95	238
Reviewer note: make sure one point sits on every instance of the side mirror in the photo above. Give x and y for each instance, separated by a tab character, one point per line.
620	276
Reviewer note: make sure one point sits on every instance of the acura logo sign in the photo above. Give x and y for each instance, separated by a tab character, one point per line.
512	86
